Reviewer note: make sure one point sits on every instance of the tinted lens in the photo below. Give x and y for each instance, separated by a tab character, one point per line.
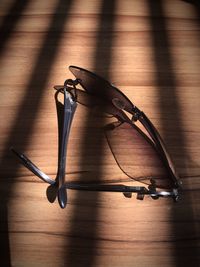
136	156
96	85
102	105
93	101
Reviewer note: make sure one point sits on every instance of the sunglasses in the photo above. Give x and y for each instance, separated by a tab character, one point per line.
131	146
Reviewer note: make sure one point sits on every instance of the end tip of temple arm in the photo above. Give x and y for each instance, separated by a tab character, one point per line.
17	153
32	167
20	155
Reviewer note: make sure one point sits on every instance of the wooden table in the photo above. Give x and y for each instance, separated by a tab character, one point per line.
151	51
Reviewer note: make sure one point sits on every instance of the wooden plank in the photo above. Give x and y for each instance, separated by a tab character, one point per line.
154	58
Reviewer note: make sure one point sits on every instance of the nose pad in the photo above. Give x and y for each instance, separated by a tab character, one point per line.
118	103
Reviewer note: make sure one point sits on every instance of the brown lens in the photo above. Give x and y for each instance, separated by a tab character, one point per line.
96	85
102	105
136	155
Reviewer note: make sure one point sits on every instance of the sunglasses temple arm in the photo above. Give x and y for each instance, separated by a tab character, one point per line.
32	167
69	110
140	190
160	146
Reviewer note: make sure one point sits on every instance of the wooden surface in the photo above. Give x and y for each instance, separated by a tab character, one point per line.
151	51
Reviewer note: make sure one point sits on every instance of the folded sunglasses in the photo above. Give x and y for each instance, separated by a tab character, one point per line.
140	154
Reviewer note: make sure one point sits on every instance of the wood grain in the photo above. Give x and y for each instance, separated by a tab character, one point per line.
150	50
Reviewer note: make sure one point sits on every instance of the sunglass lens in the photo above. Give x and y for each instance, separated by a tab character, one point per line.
136	156
97	86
